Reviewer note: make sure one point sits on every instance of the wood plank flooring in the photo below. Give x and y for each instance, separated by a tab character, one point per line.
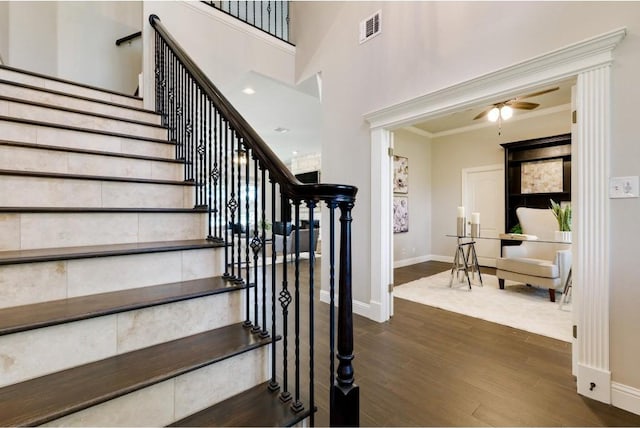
430	367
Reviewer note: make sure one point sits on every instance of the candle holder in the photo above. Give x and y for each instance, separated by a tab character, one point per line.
462	227
475	230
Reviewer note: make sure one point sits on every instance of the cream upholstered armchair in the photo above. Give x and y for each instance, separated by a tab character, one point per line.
545	264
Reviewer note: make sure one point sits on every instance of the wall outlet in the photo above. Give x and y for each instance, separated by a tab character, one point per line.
624	187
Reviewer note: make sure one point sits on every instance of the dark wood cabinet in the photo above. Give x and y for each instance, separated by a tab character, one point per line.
527	155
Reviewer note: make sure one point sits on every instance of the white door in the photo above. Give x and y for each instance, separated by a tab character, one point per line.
483	192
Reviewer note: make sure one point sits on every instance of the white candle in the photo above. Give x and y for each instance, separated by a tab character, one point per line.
460	212
475	218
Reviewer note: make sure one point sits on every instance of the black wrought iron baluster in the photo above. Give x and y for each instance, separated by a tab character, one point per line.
238	161
221	150
332	205
285	301
171	96
180	118
157	72
311	204
247	212
261	15
205	142
232	205
281	20
297	405
256	245
273	383
346	394
212	148
200	149
245	158
263	226
253	3
225	226
268	17
189	127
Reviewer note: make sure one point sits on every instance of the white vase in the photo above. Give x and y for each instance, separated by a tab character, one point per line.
561	236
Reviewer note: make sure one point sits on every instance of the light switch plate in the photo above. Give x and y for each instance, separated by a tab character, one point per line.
624	187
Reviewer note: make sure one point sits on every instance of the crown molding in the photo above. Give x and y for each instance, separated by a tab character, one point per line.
537	71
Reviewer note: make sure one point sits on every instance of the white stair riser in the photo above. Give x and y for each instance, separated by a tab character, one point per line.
47	350
61	117
70	88
35	134
18	191
28	283
77	103
168	401
37	160
49	230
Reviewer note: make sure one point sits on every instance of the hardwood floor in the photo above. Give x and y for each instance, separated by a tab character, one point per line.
429	367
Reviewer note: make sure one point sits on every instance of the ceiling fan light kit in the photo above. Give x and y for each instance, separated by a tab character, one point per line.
504	110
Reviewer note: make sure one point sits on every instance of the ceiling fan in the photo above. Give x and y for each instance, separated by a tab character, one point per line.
504	109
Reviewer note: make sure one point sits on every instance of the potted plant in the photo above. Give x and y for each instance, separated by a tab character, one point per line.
563	216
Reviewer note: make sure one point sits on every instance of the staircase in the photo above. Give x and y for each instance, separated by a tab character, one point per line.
113	307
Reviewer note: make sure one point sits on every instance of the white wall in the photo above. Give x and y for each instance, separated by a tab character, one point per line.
414	246
33	36
450	154
75	41
222	48
4	31
426	46
87	52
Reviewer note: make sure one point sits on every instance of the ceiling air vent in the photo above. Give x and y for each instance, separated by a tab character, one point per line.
370	27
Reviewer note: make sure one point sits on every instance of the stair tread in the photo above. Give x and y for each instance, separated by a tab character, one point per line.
70	82
49	397
87	113
65	94
93	177
62	210
86	151
254	407
32	316
87	130
84	252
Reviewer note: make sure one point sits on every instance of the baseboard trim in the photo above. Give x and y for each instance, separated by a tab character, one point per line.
594	383
411	261
439	258
625	397
371	310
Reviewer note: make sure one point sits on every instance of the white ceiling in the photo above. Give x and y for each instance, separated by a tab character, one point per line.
464	120
298	109
276	105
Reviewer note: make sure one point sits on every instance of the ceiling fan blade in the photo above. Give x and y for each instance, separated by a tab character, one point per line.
522	105
535	94
481	115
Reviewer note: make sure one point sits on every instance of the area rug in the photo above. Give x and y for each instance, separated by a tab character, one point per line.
518	306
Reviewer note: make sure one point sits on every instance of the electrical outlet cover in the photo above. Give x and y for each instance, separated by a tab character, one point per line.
624	187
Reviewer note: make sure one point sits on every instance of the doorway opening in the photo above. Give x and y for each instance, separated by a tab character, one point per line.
590	62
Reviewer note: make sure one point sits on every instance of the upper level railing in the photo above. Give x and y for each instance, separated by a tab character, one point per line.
245	187
269	16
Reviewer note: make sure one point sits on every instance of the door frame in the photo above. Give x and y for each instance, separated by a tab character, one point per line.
590	60
464	181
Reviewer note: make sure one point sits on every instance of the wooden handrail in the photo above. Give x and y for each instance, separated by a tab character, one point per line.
289	184
128	38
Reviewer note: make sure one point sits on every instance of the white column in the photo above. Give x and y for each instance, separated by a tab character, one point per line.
591	232
381	208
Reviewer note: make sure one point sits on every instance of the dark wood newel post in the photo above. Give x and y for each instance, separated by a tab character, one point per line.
345	394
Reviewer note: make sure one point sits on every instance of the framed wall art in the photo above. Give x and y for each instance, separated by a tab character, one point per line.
400	174
543	176
400	214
